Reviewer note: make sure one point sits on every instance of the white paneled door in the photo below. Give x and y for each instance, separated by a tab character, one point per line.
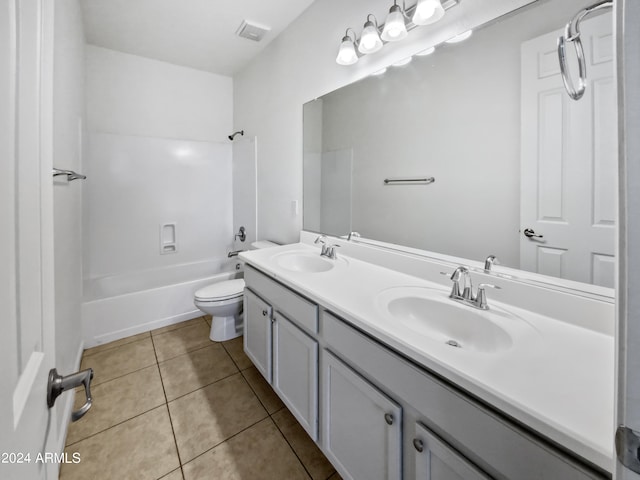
26	239
569	161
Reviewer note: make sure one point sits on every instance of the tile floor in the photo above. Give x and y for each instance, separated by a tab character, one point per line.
173	405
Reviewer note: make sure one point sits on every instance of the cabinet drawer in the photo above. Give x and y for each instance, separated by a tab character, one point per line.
296	308
498	446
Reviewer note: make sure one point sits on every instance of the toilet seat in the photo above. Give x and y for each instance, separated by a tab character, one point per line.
221	291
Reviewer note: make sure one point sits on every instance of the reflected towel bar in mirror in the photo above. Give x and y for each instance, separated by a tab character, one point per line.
71	175
409	181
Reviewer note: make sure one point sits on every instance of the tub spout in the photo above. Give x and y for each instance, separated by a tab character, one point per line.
234	254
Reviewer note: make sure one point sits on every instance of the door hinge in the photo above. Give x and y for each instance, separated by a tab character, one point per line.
628	448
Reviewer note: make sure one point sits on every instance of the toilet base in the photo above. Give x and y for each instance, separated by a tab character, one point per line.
225	328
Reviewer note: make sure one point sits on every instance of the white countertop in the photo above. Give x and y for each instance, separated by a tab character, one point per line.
557	378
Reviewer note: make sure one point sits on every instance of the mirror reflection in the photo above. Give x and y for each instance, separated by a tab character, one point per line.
520	170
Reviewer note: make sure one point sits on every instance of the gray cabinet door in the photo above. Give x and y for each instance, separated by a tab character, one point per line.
361	425
295	372
435	460
257	332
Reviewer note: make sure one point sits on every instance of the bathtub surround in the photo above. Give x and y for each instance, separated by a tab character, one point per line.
157	154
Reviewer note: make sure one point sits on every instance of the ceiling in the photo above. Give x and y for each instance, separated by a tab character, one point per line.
193	33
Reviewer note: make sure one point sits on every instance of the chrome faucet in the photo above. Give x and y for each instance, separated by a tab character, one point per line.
328	251
461	277
490	262
353	235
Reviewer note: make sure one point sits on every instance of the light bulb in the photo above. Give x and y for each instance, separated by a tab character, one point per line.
347	53
394	27
370	41
427	12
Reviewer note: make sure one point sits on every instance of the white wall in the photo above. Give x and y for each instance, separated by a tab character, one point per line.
299	66
134	95
67	154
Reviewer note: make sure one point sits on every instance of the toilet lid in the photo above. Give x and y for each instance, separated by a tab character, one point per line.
221	290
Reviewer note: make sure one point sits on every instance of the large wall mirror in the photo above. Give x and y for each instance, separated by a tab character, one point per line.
489	120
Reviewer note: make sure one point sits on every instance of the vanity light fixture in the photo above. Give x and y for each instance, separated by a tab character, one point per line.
370	41
347	54
427	12
379	72
398	23
394	26
426	51
402	62
460	38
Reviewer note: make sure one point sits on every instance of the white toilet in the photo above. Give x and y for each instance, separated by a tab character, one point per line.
223	301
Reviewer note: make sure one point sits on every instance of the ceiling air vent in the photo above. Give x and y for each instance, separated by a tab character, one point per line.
251	31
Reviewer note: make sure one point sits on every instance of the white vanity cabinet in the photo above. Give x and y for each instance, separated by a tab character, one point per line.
377	414
435	460
361	426
295	372
257	332
278	338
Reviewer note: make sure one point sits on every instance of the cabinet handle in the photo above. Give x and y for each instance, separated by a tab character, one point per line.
264	313
388	418
418	445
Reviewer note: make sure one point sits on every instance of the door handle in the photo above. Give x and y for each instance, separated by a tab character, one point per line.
529	233
58	384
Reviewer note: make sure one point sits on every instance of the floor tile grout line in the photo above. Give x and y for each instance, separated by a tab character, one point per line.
229	438
114	425
201	388
232	359
256	393
211	344
173	430
123	375
292	449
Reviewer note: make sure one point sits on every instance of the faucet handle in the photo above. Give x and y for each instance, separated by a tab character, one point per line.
481	297
331	251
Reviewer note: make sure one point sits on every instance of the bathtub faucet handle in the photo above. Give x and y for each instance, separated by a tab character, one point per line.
242	234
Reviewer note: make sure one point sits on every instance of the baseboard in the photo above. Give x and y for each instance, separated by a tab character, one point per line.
144	327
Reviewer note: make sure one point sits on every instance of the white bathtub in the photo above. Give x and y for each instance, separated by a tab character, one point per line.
115	307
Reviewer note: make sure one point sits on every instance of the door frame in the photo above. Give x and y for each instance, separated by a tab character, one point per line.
627	16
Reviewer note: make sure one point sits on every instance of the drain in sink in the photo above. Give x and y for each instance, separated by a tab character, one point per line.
453	343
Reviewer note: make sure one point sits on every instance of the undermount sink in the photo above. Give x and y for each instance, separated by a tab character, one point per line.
433	314
304	262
